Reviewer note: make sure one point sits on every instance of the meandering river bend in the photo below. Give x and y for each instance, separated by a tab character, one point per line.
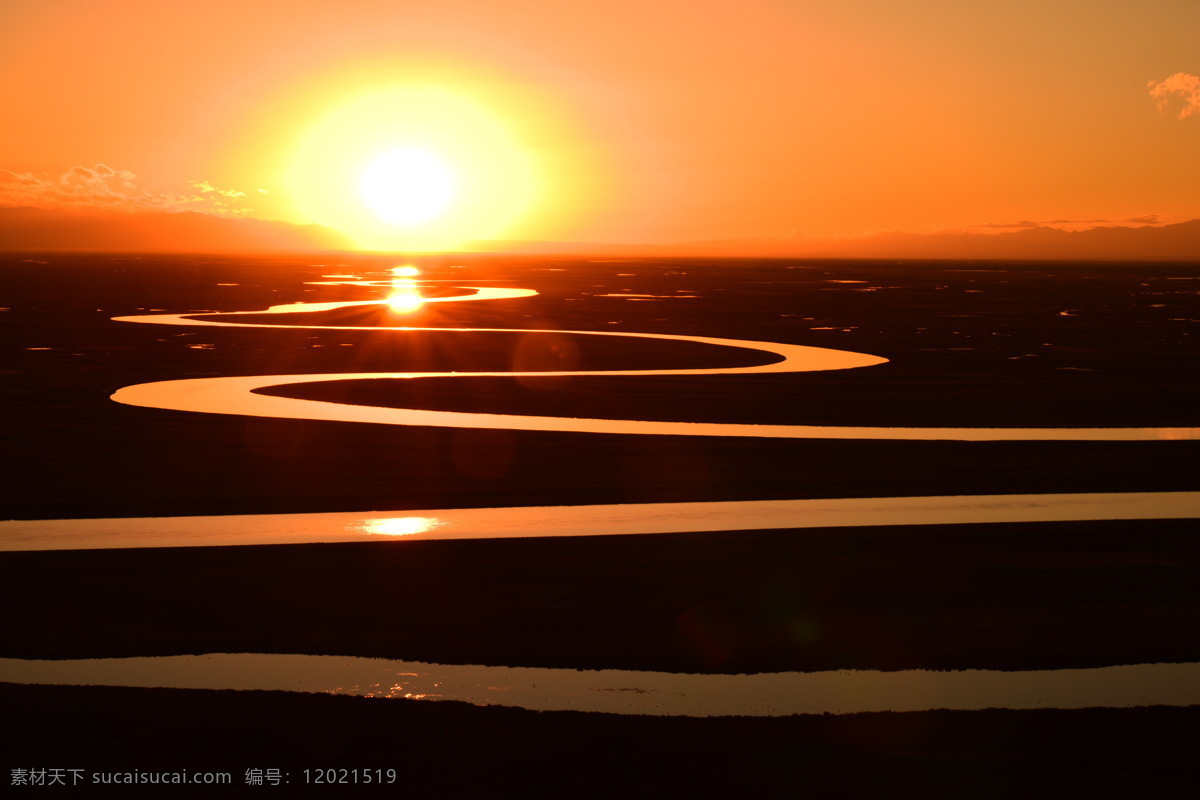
645	693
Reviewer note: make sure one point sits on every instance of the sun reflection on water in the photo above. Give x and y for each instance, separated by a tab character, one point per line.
405	296
392	689
400	526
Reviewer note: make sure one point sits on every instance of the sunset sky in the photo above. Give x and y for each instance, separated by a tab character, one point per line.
640	121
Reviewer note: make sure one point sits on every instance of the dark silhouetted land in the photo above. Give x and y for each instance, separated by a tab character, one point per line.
986	343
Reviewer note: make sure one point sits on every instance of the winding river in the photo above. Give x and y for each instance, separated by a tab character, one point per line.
236	395
843	691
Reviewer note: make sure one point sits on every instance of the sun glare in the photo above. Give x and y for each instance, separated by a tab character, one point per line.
405	296
400	526
412	168
407	186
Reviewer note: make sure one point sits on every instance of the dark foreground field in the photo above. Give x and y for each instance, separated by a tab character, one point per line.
970	345
998	596
452	750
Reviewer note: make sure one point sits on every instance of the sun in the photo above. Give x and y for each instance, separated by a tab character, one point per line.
413	168
407	186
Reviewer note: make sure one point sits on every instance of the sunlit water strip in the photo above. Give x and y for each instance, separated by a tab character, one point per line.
480	293
597	520
630	692
607	691
236	395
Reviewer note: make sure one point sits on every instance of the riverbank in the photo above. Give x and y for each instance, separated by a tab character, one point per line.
990	596
996	344
1028	595
979	345
1033	595
456	750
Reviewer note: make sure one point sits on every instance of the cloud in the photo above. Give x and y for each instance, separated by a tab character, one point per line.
206	188
99	185
1146	219
1045	223
18	182
1083	224
1180	91
102	186
1025	223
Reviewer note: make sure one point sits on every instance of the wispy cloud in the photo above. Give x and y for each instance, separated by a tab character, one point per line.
1025	223
102	186
1180	91
1147	219
1074	224
207	188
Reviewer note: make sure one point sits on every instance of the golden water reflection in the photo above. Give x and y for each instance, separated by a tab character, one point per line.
595	520
405	296
238	395
399	526
635	692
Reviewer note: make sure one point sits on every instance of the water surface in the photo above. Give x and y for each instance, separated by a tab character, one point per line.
238	395
633	692
596	520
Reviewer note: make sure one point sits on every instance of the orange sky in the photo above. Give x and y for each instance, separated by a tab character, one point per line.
623	121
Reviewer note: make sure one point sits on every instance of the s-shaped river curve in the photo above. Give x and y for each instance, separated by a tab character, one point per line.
785	693
236	395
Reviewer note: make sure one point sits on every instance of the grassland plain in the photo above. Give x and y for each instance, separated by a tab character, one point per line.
989	344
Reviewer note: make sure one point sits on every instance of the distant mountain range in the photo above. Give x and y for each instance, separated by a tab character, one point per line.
39	230
1178	242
